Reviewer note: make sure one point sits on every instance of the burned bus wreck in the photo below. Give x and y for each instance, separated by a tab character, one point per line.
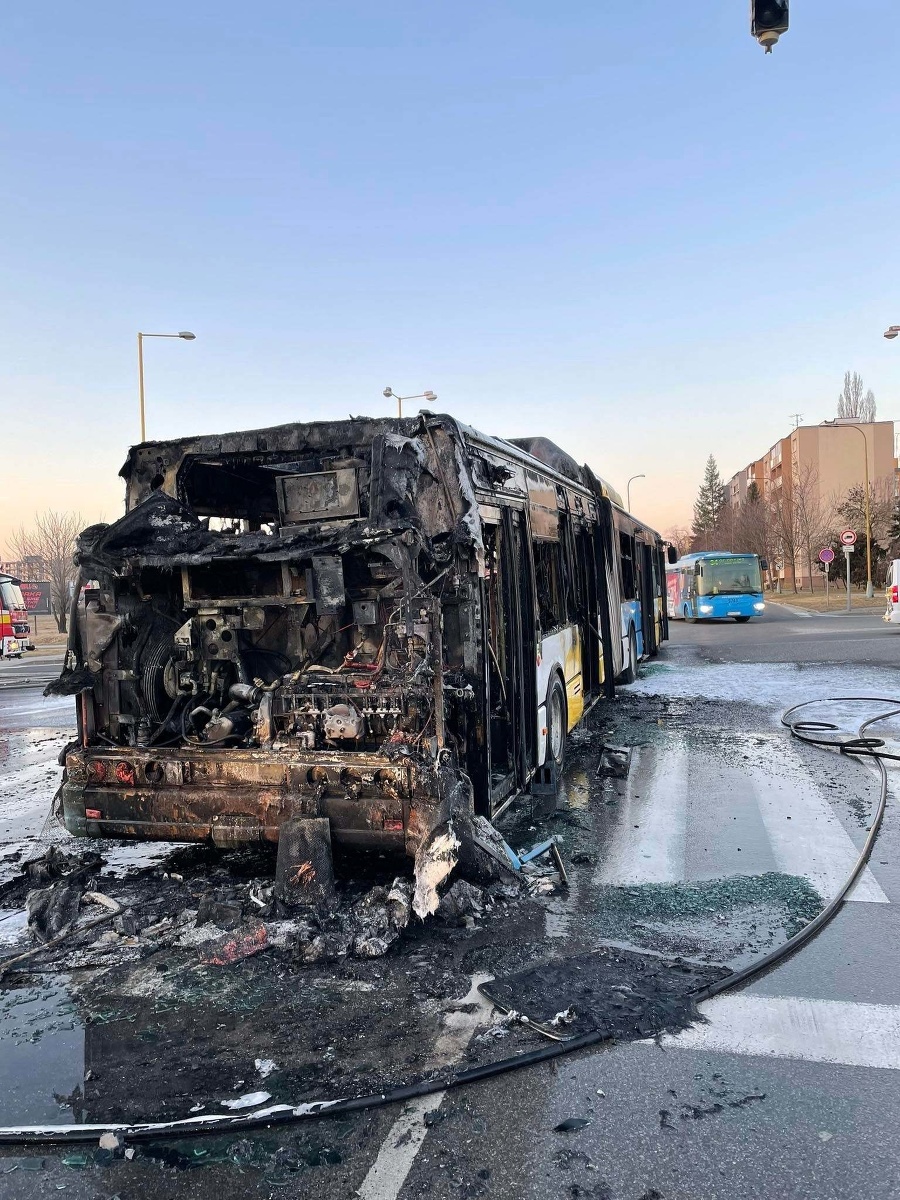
388	624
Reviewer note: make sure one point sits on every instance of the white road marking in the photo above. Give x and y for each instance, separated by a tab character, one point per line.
813	843
398	1151
826	1031
656	801
805	834
791	608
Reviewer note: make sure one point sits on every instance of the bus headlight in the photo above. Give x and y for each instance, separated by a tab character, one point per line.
759	606
706	608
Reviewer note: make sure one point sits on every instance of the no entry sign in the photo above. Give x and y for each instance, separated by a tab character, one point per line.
848	538
826	555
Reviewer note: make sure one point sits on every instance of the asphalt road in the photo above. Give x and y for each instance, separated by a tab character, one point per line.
786	635
679	1120
790	1088
32	670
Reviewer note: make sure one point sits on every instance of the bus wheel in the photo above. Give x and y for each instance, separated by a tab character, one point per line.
690	620
630	673
741	620
556	724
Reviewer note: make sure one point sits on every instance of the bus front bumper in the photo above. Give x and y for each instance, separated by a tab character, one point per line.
730	606
236	797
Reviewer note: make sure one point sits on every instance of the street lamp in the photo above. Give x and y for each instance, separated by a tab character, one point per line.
184	335
426	395
870	591
891	332
628	489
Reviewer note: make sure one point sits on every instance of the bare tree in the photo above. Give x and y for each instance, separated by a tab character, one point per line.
679	536
852	403
813	520
852	508
784	530
52	540
752	533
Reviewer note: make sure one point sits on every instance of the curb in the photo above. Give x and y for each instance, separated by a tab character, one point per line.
828	612
792	608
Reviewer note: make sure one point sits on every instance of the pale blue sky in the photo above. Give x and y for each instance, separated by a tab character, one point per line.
648	241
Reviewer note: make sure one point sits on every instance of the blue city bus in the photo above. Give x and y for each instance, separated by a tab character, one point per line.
715	585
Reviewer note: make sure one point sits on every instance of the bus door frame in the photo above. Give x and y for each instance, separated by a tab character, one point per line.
660	561
648	599
583	555
516	597
605	551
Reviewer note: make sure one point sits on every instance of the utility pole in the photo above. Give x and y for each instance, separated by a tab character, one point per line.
796	418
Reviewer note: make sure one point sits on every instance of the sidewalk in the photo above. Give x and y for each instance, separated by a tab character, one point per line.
806	607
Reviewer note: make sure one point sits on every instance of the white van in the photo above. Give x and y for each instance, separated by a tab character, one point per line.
892	587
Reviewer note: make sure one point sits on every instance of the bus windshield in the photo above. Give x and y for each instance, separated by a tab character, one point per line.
729	577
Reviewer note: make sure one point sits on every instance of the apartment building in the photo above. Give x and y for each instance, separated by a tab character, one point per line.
739	485
825	461
32	568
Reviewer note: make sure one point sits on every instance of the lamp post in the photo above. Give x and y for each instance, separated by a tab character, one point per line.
426	395
184	335
891	332
870	591
628	490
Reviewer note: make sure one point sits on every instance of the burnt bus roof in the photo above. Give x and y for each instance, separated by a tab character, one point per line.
148	460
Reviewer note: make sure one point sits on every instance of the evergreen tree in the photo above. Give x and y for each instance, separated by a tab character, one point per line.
708	506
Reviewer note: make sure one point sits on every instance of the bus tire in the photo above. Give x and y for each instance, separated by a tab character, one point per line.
555	749
741	620
687	616
630	673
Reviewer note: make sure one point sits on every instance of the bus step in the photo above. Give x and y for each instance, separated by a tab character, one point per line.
544	790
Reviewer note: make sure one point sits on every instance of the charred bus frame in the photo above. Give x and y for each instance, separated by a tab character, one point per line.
382	622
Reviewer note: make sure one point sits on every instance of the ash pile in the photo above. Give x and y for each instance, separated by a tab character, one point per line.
212	908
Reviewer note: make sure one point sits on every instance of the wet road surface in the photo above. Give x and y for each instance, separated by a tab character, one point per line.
790	1088
33	670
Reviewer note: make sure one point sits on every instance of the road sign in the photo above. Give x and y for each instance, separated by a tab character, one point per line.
848	550
826	555
36	596
848	538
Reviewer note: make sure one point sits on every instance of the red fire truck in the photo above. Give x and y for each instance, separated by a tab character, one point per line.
15	631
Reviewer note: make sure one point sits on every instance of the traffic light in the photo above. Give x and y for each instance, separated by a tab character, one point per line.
768	21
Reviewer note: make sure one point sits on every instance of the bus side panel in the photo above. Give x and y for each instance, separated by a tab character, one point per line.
613	597
573	676
631	615
560	655
673	594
